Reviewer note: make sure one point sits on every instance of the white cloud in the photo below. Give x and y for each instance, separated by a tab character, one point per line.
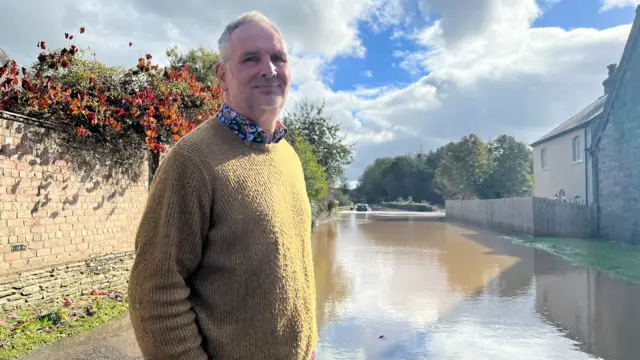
368	73
488	71
543	52
305	69
387	12
610	4
507	78
314	27
320	27
471	19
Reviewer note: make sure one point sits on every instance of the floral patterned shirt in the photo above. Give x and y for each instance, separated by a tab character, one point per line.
248	130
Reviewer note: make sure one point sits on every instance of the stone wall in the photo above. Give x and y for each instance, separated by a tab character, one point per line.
618	162
51	283
67	221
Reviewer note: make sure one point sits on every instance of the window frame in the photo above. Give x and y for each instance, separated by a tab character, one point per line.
576	149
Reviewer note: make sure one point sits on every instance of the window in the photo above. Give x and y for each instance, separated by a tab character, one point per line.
543	158
577	151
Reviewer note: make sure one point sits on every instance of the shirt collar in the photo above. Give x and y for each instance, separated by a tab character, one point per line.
247	130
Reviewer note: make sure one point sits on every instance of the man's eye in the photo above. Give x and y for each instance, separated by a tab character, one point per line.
279	59
251	58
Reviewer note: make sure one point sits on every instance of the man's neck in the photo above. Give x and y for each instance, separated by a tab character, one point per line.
268	125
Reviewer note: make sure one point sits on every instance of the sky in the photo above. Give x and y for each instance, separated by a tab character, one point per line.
399	76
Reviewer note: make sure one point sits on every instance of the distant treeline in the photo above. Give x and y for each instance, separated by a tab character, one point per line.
466	169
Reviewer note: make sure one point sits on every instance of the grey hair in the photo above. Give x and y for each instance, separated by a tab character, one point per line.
248	17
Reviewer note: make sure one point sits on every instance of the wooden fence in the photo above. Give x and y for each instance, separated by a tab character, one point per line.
529	215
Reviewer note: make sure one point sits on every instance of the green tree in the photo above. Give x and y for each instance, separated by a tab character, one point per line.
399	176
330	148
344	187
464	167
406	176
342	193
511	171
424	183
314	175
371	187
201	62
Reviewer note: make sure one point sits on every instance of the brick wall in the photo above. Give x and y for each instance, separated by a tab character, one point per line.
57	209
618	162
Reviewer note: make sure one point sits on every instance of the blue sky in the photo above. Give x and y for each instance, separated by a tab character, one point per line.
570	14
349	72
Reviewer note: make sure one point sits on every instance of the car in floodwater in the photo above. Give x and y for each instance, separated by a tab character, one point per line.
363	207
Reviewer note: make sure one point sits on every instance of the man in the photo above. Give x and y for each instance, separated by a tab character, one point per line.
223	266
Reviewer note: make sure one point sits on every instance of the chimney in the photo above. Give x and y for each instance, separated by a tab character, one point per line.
609	82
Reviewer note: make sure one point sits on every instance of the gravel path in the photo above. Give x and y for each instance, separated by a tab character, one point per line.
112	341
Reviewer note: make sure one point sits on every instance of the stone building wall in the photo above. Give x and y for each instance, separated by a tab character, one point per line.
67	222
619	161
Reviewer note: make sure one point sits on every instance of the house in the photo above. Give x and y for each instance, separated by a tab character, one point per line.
615	149
562	166
571	161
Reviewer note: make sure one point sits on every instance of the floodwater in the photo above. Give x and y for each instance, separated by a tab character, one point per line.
438	290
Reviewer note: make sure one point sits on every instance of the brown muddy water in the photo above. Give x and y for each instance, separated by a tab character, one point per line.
438	290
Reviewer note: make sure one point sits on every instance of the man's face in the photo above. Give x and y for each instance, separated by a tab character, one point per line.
256	77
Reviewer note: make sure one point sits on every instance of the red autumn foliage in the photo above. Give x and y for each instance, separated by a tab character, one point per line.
96	292
146	104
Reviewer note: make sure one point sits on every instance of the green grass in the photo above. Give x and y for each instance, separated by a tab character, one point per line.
26	331
422	207
621	261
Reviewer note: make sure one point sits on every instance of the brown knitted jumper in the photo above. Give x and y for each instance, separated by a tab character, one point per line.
223	266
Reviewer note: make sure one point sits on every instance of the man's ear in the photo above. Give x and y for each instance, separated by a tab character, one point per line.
221	75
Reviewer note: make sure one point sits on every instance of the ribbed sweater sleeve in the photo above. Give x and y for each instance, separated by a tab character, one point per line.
168	246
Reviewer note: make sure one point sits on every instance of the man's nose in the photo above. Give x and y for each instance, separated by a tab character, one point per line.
268	68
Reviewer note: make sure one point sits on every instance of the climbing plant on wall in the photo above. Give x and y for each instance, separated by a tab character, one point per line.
116	110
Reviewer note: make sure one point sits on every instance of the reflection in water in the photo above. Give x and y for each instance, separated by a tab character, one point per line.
438	290
600	312
331	283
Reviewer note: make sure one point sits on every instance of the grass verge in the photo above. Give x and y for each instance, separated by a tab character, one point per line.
422	207
621	261
25	331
